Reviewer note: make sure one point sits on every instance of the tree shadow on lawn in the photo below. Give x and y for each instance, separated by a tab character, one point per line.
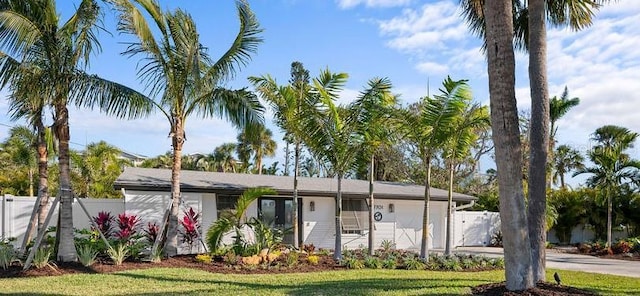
362	286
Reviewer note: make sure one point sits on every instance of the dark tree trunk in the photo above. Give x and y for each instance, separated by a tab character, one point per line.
539	137
66	245
504	123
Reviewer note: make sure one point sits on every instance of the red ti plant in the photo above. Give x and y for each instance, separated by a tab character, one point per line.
104	221
190	224
151	232
127	225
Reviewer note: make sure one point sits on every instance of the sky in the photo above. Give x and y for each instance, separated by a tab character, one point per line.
416	44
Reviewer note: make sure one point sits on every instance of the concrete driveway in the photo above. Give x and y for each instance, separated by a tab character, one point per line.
566	261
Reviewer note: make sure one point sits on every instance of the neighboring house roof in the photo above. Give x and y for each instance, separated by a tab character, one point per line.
231	183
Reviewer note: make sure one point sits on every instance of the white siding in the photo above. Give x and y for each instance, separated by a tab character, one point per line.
403	226
18	211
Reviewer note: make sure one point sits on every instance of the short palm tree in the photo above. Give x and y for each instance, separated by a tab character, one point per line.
427	125
223	157
234	220
56	55
179	71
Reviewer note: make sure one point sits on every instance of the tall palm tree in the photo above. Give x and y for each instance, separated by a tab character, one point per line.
473	121
330	136
373	108
565	160
256	140
498	16
613	167
288	102
427	126
56	55
529	24
179	71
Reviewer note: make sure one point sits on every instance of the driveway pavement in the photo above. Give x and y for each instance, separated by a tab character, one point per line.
566	261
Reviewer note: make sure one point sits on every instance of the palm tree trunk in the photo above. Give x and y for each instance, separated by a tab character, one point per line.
171	245
539	137
43	175
337	254
296	172
424	247
66	245
287	153
372	229
30	181
504	123
448	239
609	218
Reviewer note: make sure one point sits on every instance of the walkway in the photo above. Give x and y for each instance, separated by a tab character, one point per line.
567	261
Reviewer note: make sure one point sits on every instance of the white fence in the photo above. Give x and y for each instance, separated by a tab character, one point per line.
475	228
16	211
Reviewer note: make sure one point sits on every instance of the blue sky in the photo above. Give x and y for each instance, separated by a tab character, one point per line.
409	41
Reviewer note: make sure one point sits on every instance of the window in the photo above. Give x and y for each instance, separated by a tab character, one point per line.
225	203
354	216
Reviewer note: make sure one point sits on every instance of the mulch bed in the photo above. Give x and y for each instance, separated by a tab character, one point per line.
187	261
540	290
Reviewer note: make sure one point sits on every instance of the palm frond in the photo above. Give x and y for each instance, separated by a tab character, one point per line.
17	33
245	43
249	196
112	98
240	107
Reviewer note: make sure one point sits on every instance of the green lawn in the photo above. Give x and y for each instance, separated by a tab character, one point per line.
348	282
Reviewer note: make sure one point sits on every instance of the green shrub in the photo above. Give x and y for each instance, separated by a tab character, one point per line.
352	263
118	253
324	252
7	255
622	247
389	263
203	258
292	258
156	256
86	255
372	262
42	256
497	262
413	263
386	245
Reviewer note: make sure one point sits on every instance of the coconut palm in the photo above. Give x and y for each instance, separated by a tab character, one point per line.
373	109
56	55
565	160
427	126
330	136
98	167
473	121
179	71
19	146
613	168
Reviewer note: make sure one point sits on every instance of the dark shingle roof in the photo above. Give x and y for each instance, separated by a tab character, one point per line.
230	183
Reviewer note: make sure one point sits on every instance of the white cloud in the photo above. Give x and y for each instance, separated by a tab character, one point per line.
432	68
346	4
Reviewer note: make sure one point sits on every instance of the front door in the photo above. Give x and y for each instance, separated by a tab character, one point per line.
278	214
